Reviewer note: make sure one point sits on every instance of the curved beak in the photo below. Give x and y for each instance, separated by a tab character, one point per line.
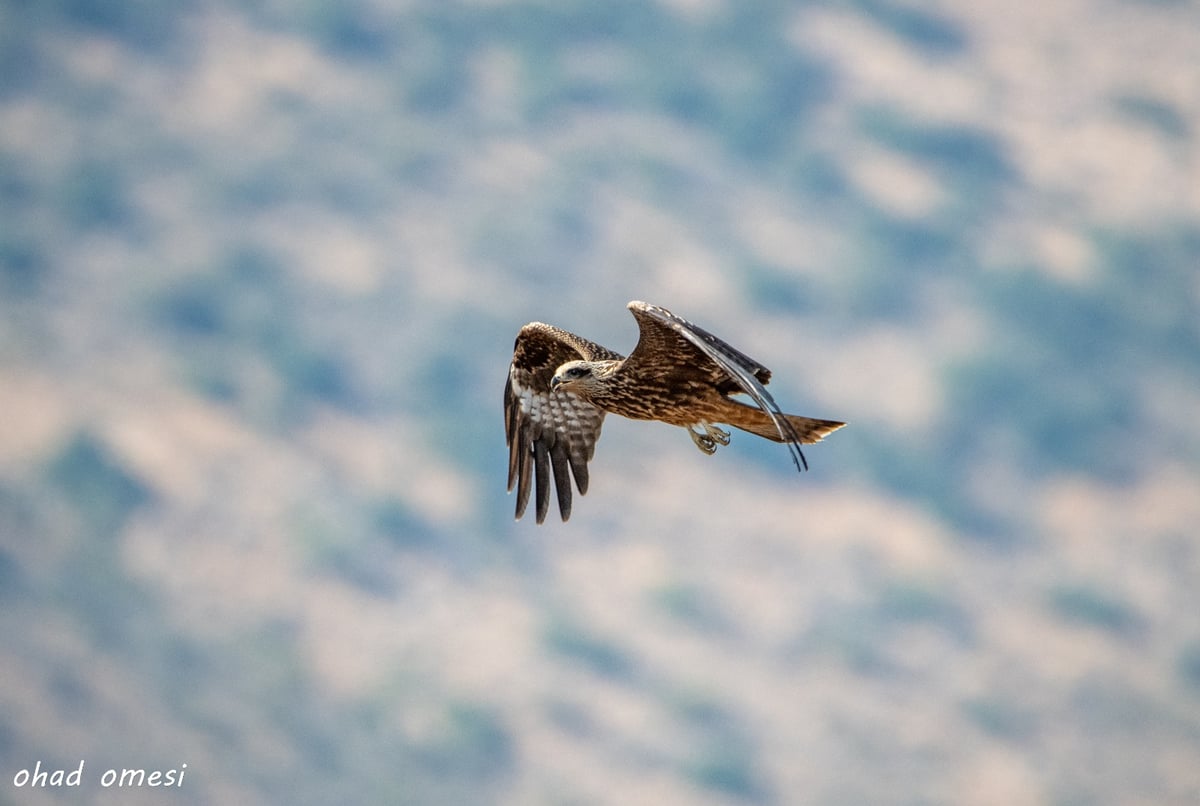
555	381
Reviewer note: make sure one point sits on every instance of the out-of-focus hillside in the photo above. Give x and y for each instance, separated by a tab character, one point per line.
260	270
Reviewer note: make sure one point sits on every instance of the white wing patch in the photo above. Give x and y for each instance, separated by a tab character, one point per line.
550	434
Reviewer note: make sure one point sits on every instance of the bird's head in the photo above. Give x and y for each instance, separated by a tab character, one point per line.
571	375
580	377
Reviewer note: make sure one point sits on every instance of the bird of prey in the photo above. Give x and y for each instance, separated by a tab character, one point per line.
560	386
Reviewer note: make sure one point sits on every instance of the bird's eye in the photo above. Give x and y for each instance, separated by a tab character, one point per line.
577	372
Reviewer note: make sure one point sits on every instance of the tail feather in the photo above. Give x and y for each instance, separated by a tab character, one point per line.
758	422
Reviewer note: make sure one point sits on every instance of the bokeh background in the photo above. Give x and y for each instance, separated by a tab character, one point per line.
261	265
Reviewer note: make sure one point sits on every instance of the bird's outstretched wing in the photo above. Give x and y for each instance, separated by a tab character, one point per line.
548	432
669	339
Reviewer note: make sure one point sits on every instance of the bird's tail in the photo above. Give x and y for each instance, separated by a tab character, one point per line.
759	423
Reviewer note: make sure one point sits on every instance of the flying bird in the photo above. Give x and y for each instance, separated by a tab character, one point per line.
561	385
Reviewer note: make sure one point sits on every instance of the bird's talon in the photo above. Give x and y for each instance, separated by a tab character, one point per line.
707	441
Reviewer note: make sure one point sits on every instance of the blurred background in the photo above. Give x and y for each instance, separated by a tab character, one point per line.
261	265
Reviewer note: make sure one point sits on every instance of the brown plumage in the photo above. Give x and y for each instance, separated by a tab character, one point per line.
560	386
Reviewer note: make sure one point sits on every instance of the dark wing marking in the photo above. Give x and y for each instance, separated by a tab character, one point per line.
548	432
661	341
659	328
